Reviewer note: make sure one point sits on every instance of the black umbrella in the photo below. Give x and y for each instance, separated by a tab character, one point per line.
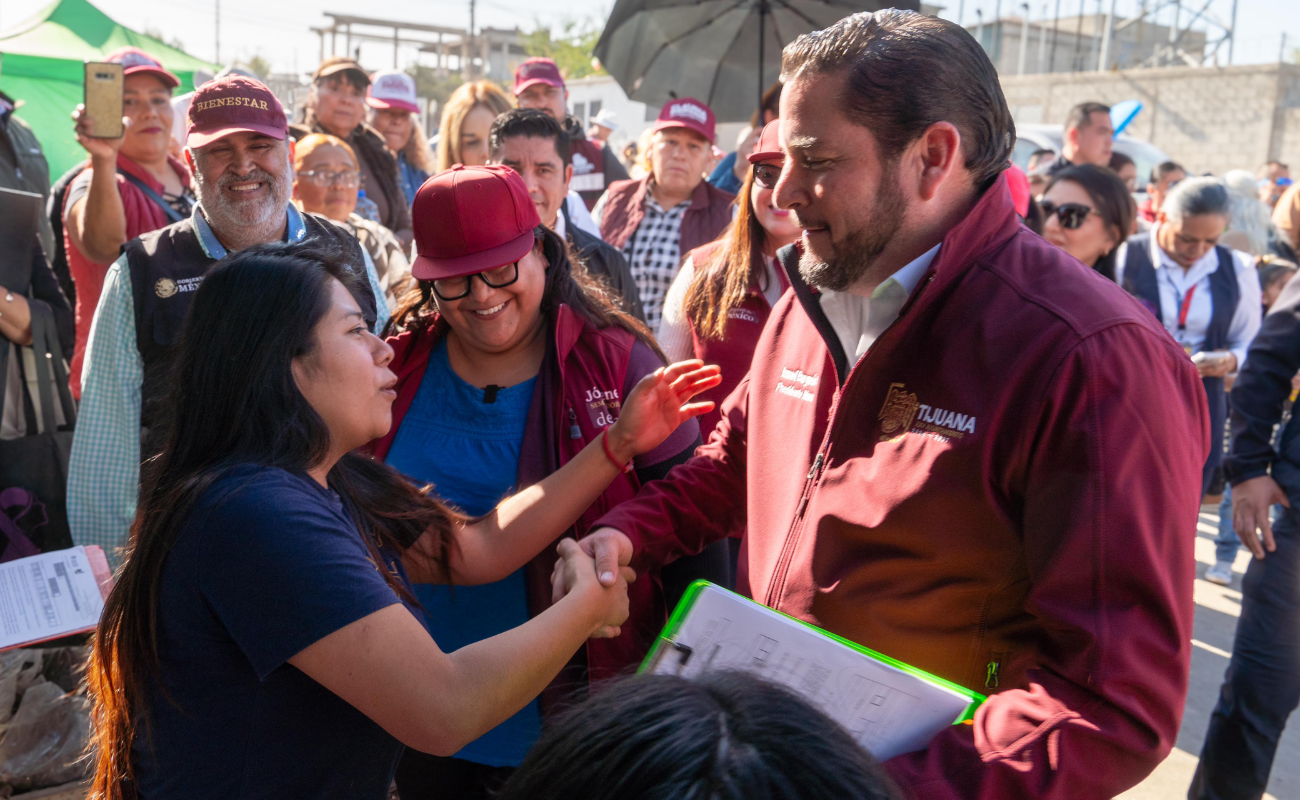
723	52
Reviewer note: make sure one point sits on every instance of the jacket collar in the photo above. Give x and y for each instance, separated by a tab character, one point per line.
990	223
699	198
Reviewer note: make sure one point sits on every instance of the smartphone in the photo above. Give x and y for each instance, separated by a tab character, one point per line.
103	100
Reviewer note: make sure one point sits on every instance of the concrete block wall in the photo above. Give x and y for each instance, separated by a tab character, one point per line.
1209	119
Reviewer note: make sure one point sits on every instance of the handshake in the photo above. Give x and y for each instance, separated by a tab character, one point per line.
595	572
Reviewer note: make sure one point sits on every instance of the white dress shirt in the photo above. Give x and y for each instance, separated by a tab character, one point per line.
1174	284
859	321
674	334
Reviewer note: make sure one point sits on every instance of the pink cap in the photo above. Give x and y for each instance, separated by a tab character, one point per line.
537	70
768	147
1018	183
135	61
470	219
233	104
392	88
688	113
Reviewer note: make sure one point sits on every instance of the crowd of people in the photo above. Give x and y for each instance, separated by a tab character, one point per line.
401	444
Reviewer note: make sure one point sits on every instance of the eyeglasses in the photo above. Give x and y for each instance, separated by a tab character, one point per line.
766	175
1071	215
348	179
496	278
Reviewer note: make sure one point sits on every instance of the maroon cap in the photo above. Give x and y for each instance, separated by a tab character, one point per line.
135	61
470	219
688	113
768	147
537	70
232	104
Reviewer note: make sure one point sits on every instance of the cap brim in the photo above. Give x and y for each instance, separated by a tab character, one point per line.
338	68
519	87
688	124
379	102
770	155
170	80
428	268
197	139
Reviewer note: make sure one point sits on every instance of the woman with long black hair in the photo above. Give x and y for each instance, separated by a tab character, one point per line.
1088	214
261	640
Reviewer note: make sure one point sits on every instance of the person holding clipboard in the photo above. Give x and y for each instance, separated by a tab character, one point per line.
956	445
262	639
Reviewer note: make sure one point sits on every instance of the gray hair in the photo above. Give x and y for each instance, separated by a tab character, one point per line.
1195	196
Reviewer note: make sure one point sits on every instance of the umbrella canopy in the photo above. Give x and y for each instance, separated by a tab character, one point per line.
43	60
724	52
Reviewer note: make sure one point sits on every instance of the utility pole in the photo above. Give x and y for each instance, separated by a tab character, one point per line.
1232	32
217	27
1042	42
1056	32
1096	34
1103	63
1078	39
470	67
961	10
1024	38
1173	30
997	31
979	28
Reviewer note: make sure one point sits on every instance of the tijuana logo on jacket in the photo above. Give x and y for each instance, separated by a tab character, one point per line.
902	412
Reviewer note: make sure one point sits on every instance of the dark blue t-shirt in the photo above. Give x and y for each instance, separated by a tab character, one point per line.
267	563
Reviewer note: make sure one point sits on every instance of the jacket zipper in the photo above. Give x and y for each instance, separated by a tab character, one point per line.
777	585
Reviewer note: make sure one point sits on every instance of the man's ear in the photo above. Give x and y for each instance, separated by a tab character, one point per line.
293	148
1161	217
189	161
568	175
937	154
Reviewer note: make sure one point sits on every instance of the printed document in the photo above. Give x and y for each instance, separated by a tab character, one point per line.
51	595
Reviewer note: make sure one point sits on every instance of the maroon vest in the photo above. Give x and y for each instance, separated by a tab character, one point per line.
735	349
708	215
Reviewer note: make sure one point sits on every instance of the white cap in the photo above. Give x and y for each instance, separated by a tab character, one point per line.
392	88
605	119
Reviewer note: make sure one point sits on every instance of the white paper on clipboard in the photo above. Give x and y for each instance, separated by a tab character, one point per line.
889	711
50	595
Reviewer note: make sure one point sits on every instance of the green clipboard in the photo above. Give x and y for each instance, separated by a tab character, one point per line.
890	707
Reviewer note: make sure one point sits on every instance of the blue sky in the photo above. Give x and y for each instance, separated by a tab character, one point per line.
279	31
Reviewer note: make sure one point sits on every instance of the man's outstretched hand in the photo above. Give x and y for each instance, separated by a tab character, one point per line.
612	551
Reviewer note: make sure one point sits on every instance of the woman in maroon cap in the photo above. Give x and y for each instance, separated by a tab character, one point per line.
130	186
509	363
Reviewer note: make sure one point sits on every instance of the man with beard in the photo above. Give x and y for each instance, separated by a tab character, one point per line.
236	147
539	85
945	447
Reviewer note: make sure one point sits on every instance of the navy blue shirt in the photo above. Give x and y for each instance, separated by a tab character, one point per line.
266	563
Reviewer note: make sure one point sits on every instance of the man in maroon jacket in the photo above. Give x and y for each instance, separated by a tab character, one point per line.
955	444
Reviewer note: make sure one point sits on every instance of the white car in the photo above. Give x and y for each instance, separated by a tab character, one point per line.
1049	137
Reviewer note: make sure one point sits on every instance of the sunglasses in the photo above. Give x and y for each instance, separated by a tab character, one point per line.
766	175
1071	215
496	278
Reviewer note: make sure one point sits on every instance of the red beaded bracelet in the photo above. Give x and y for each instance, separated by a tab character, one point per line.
604	443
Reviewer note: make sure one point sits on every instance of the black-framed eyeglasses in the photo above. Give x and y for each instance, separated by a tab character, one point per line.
766	175
348	179
496	278
1071	215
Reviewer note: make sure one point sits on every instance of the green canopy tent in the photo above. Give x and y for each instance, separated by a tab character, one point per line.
42	67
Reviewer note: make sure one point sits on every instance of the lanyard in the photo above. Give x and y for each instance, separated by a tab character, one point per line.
1184	307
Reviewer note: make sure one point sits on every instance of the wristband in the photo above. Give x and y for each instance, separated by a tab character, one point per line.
604	444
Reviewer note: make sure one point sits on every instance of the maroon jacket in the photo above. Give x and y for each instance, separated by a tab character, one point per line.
581	382
709	213
1003	491
735	348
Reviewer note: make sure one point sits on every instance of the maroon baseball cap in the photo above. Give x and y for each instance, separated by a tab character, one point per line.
688	113
232	104
768	147
537	70
135	61
471	219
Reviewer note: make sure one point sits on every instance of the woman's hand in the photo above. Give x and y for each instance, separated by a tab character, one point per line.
103	150
658	404
575	572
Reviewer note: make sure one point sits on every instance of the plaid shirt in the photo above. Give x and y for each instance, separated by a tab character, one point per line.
104	470
654	252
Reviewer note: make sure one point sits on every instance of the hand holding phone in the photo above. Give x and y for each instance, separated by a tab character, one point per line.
101	115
